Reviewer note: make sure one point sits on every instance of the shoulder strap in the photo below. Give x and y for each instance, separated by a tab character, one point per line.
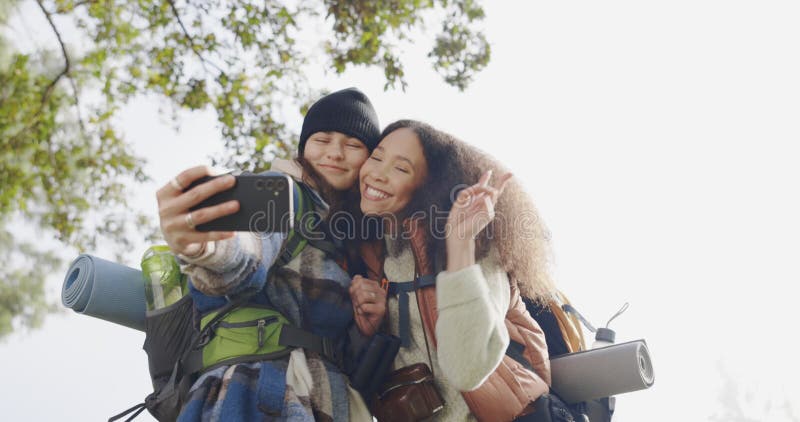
426	296
372	255
307	229
133	411
568	321
295	243
402	290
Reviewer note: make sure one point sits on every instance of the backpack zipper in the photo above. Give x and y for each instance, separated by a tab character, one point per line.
261	324
243	324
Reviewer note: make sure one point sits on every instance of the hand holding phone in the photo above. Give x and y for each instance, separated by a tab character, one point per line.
266	204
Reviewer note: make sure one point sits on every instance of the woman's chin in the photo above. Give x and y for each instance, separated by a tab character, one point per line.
368	211
338	184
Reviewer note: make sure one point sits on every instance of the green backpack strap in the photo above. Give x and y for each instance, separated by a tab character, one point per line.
305	221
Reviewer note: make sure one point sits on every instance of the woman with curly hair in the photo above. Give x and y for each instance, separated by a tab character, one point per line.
485	245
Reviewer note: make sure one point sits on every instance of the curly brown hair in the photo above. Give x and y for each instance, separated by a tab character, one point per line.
517	232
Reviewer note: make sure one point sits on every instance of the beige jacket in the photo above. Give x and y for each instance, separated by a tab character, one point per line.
505	392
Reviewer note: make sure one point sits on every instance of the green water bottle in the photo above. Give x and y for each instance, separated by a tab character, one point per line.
164	284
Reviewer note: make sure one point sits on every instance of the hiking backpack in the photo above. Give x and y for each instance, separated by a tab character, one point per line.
180	343
561	324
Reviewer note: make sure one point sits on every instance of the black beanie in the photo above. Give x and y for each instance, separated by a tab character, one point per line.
347	111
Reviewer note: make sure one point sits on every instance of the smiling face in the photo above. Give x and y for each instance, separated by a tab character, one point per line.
392	173
336	157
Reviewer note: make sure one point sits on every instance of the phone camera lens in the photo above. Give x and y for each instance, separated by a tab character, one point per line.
280	184
269	183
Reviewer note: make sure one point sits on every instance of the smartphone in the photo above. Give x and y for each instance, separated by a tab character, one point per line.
266	204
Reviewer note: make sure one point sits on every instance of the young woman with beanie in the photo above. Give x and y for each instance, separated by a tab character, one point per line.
311	290
467	256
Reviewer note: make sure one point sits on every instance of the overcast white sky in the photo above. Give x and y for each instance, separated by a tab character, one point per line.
658	140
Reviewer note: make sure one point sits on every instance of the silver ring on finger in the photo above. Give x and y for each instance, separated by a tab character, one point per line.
189	220
176	184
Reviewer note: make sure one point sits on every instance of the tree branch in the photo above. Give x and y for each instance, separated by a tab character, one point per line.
66	72
189	38
52	85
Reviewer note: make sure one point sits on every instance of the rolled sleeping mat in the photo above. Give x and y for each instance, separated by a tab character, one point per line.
602	372
105	290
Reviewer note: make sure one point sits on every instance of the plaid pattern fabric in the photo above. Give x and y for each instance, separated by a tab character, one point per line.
310	291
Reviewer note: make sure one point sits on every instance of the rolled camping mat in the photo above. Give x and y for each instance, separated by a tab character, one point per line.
606	371
105	290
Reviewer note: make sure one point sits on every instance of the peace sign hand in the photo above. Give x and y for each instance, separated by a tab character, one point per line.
473	209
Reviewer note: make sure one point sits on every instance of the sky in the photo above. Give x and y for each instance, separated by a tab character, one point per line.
659	142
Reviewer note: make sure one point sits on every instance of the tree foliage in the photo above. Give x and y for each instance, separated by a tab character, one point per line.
64	167
21	297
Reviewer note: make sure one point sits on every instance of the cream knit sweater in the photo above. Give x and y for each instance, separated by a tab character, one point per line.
470	330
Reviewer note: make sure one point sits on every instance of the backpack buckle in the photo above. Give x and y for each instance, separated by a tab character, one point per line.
206	335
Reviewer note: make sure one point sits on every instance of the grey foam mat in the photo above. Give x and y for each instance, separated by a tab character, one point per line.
103	289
